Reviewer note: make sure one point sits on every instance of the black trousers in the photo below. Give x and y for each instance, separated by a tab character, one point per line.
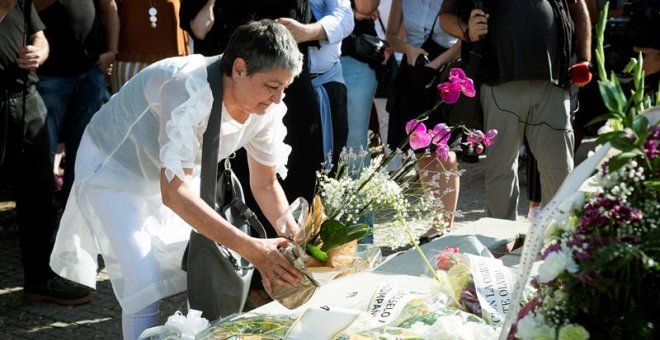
27	169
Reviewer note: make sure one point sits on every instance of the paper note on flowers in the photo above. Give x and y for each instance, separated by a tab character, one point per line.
388	301
494	285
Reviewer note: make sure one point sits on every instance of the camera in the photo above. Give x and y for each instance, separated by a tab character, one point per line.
634	28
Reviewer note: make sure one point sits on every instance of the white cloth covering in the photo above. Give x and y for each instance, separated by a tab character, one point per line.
115	208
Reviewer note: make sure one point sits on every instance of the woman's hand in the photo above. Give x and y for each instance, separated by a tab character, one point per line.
275	269
412	53
477	25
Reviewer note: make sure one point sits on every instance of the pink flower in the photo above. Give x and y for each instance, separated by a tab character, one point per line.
475	137
442	151
413	124
440	133
418	137
456	75
449	92
468	88
446	258
490	135
479	149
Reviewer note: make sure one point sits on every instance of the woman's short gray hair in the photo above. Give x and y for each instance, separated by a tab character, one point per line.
265	45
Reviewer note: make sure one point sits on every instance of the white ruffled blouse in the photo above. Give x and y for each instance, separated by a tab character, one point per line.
115	208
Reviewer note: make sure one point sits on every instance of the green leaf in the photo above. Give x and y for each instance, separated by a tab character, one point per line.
621	159
654	184
317	253
612	95
624	144
333	234
608	136
358	232
599	119
640	124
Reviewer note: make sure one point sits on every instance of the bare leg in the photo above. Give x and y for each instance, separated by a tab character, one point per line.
442	179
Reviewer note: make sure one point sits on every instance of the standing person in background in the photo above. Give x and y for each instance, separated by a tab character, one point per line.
360	78
524	71
380	99
25	153
426	47
146	38
83	38
334	22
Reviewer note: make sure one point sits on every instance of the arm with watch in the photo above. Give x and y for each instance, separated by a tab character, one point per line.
110	20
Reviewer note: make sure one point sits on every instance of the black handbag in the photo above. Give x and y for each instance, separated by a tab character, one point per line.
369	47
218	278
385	73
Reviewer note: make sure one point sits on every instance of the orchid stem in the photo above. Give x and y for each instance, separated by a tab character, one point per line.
419	250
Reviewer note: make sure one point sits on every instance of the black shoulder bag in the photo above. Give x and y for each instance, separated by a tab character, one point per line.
218	278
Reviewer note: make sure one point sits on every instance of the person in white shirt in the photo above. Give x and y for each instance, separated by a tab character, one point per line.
136	192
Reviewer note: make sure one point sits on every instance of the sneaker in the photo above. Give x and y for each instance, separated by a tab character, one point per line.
58	290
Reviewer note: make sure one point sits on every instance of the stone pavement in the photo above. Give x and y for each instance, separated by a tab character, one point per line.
101	318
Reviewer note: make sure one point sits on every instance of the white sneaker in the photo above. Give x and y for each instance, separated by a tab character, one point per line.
533	213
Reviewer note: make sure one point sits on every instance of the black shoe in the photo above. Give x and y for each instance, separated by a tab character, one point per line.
428	238
58	290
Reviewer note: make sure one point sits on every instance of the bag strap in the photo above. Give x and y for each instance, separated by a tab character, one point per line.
382	26
211	138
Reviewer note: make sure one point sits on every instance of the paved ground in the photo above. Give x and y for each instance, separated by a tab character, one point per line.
101	319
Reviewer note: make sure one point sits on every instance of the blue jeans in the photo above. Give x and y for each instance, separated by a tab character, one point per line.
71	101
361	83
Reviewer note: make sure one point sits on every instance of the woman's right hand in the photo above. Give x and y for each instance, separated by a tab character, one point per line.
412	53
275	269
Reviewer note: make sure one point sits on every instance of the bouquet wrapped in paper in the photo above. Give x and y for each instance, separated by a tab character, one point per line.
321	247
481	285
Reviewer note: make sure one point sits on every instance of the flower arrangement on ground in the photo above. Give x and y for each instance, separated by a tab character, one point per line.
601	272
348	191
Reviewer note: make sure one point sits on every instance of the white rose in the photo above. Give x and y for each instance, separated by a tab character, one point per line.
556	263
533	327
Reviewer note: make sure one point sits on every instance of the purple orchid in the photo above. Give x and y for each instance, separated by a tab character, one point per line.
450	92
440	133
478	140
419	138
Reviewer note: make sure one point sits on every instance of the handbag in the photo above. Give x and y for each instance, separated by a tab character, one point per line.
218	278
385	73
369	47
